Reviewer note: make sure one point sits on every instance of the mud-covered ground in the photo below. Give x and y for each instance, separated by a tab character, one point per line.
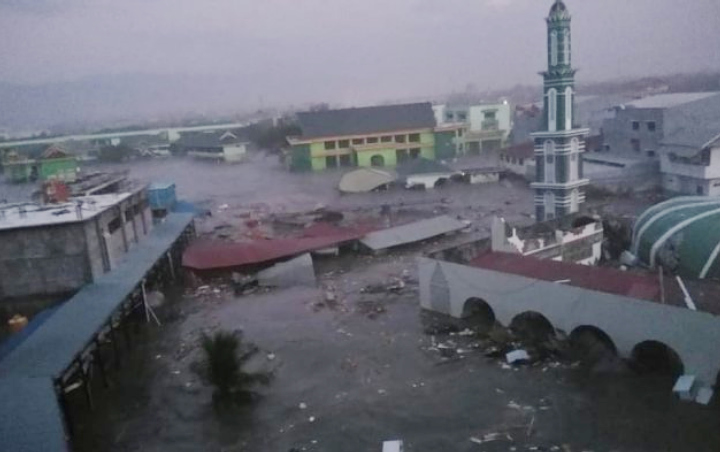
367	372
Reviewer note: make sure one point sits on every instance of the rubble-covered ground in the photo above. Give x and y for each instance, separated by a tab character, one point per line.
365	365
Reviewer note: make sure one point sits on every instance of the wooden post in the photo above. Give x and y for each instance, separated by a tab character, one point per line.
97	355
113	339
86	385
62	401
172	266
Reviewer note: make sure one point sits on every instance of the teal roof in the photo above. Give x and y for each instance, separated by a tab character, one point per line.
681	234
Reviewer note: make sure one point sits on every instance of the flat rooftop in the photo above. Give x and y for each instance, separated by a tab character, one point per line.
36	215
670	100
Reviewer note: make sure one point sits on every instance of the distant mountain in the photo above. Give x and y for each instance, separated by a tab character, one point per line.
108	99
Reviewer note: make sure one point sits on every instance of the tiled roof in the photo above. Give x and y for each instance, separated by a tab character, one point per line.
359	121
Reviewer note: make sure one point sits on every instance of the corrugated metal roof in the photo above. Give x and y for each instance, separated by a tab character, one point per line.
30	419
221	255
669	100
359	121
644	287
412	232
364	180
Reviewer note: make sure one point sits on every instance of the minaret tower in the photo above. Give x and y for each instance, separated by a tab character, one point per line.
559	181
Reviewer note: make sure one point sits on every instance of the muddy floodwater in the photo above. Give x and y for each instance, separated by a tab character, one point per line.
351	374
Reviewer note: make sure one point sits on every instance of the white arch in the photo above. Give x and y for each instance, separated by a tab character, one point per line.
566	47
552	110
574	200
553	48
683	224
568	108
549	202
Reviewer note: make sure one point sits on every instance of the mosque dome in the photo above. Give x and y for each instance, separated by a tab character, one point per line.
681	234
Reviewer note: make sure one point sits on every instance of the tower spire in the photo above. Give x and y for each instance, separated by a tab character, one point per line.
559	178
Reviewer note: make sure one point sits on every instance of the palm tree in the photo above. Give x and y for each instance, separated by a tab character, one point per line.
225	356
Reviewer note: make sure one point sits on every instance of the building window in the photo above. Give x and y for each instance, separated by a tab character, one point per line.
568	108
415	153
331	161
330	145
651	126
552	110
449	117
372	140
357	141
414	138
489	115
344	144
636	125
345	160
553	48
386	139
635	144
699	190
650	154
400	138
401	155
606	148
566	48
462	116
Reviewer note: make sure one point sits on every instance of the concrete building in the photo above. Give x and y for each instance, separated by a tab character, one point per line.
559	182
520	159
369	136
55	249
486	128
581	244
53	164
638	129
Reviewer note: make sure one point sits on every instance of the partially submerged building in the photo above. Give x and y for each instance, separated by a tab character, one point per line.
48	250
485	127
53	164
369	136
215	146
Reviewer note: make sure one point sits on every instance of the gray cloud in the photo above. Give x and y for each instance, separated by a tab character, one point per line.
349	50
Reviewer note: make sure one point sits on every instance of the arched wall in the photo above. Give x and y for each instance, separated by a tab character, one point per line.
628	321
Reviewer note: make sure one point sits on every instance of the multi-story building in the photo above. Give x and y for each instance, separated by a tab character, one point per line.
53	164
369	136
692	170
638	129
485	128
559	183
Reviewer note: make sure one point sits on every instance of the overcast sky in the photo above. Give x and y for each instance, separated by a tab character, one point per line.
350	50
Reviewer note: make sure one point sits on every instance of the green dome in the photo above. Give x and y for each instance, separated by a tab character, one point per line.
681	234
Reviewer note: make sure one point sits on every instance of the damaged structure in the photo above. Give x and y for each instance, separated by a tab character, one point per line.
578	299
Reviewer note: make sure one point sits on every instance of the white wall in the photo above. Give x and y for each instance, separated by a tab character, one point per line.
235	153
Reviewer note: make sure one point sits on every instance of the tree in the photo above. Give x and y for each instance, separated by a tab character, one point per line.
225	356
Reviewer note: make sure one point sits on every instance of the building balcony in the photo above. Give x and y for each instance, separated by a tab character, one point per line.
490	124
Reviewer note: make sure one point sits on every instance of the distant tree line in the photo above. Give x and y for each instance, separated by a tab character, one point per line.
273	138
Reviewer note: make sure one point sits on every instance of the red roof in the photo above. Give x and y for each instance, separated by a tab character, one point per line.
524	150
216	255
601	279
